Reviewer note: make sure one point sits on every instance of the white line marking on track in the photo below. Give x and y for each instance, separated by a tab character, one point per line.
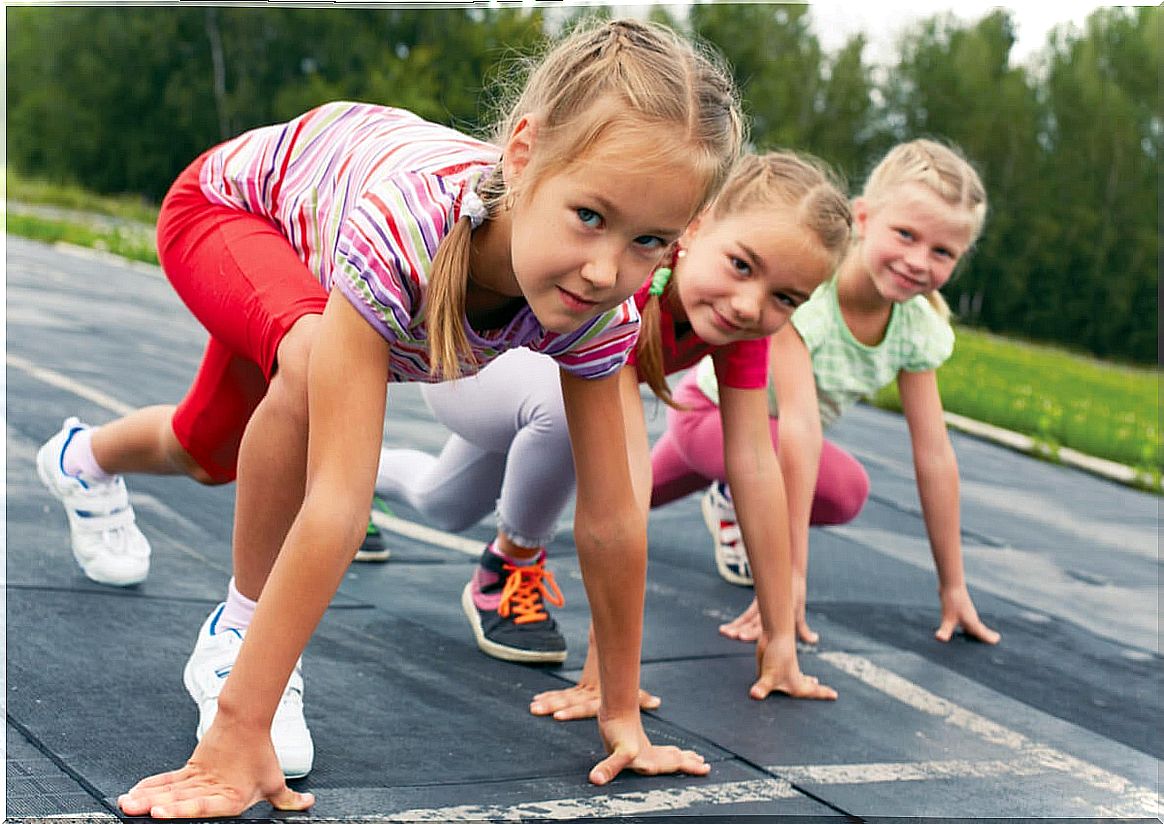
735	792
1133	797
907	771
68	384
427	534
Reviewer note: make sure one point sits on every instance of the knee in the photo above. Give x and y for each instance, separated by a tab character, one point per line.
206	478
848	494
192	469
546	420
183	462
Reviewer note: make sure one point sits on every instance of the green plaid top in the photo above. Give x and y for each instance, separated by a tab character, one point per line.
846	370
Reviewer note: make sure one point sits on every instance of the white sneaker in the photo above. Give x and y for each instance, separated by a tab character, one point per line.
205	675
731	558
106	541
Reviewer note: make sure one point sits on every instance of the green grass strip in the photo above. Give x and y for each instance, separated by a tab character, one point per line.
130	243
1058	398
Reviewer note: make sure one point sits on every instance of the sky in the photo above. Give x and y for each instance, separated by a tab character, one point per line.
882	20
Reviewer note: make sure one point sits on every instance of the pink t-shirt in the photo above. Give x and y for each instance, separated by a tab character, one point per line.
740	365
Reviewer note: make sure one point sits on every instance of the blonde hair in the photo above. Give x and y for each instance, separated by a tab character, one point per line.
942	168
798	184
619	76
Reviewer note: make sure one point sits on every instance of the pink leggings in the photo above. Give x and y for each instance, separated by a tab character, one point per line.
689	456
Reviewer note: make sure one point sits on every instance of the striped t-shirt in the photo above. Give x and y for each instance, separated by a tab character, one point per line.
845	370
364	194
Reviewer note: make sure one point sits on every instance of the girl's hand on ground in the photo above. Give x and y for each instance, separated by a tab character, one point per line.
958	611
779	671
629	748
221	778
745	626
580	701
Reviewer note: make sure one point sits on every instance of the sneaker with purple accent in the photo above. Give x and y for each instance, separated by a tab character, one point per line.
107	543
505	605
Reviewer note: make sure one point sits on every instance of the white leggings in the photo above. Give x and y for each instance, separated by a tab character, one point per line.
509	452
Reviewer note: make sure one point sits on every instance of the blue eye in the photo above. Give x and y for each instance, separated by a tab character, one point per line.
589	217
650	242
785	300
905	234
741	266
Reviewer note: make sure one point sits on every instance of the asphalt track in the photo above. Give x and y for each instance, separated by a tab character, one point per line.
411	722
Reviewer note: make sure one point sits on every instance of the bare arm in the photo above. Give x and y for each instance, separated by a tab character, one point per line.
936	468
790	370
758	492
611	537
235	759
583	699
610	524
798	454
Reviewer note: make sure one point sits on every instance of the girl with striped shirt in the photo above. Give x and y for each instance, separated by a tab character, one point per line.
358	245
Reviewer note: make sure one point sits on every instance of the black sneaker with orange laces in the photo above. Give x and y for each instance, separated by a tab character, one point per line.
505	605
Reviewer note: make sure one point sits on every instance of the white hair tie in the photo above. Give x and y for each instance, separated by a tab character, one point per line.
472	205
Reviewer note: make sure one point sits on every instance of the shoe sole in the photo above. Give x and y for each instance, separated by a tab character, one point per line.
495	650
711	520
112	582
188	683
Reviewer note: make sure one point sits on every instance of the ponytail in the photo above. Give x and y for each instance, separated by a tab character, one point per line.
939	305
649	352
448	280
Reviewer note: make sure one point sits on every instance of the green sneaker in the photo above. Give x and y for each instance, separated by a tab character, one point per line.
373	550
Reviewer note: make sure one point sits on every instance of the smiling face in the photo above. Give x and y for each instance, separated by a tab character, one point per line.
911	240
585	238
744	273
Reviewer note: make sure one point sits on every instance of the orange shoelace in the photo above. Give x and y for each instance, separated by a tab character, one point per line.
523	592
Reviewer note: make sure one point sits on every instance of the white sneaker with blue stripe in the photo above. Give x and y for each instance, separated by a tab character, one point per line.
731	556
205	675
106	540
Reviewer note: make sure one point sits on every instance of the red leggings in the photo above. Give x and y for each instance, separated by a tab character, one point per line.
689	456
244	282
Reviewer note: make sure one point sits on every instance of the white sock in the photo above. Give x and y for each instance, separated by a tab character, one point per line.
238	611
78	459
515	561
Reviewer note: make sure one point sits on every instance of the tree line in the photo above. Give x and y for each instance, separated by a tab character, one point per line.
119	99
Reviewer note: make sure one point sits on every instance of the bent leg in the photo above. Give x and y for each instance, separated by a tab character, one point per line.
842	487
510	447
144	442
451	491
689	456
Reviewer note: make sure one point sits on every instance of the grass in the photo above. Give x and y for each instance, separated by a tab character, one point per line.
1059	398
127	241
23	189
